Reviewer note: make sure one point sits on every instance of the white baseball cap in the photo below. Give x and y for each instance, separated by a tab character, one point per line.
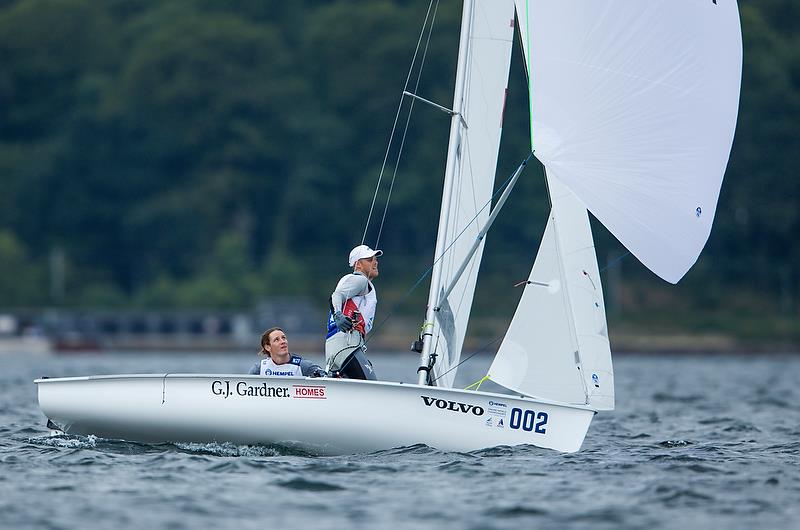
361	252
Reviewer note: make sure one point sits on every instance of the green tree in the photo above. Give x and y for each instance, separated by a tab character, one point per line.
21	279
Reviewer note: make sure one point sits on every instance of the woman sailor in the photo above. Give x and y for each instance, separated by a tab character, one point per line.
279	362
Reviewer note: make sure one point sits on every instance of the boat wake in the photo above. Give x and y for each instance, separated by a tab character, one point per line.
65	440
227	449
224	449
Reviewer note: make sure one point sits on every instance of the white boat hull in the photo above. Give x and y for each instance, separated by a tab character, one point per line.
322	416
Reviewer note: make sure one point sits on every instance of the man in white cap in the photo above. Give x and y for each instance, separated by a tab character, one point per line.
352	313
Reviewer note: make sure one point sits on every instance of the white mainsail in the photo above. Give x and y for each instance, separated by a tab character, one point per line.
633	107
481	81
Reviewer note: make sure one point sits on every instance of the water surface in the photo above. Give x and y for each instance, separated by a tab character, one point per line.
695	442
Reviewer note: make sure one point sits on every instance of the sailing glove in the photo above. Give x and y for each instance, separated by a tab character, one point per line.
319	372
342	322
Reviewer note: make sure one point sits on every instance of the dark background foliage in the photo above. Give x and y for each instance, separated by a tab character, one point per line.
194	153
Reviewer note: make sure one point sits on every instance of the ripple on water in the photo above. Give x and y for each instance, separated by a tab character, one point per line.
469	469
771	402
715	420
667	398
705	468
303	484
416	449
28	431
729	424
510	512
357	467
501	451
791	448
61	487
675	458
508	451
638	436
673	496
741	426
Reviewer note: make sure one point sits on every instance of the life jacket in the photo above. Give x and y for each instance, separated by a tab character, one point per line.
290	369
360	309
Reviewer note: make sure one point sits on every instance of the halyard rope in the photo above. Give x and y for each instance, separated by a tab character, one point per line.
397	115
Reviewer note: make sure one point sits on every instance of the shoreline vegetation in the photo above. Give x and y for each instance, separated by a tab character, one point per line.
196	332
160	157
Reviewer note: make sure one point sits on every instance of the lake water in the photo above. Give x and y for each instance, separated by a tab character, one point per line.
695	442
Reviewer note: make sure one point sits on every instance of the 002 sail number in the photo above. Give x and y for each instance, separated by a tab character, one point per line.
528	420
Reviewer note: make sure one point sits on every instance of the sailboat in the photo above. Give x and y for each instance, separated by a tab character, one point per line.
633	107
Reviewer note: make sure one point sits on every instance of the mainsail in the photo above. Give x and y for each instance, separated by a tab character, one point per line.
487	33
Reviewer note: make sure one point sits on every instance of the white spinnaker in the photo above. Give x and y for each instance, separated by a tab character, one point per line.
633	107
473	167
557	344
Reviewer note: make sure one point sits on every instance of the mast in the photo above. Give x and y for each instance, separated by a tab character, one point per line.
456	125
484	59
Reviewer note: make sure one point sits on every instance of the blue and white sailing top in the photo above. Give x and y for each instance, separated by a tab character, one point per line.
296	367
355	296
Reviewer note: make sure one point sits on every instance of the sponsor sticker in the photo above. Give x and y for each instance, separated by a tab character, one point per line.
225	389
497	408
497	411
309	392
287	373
453	406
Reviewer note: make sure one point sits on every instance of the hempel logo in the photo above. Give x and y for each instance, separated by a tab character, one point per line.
277	372
454	406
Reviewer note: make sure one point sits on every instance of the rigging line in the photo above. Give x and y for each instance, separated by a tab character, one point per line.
408	121
617	260
444	252
397	117
527	59
481	350
477	384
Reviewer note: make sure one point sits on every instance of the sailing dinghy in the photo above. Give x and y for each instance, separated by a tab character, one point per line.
633	107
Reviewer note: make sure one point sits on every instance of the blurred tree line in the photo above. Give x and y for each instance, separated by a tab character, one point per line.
195	153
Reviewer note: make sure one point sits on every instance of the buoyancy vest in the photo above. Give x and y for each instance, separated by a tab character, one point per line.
361	309
290	369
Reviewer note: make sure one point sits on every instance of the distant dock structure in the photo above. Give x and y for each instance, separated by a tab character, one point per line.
64	330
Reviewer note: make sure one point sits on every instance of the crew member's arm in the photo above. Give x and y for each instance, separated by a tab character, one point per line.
310	369
348	287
